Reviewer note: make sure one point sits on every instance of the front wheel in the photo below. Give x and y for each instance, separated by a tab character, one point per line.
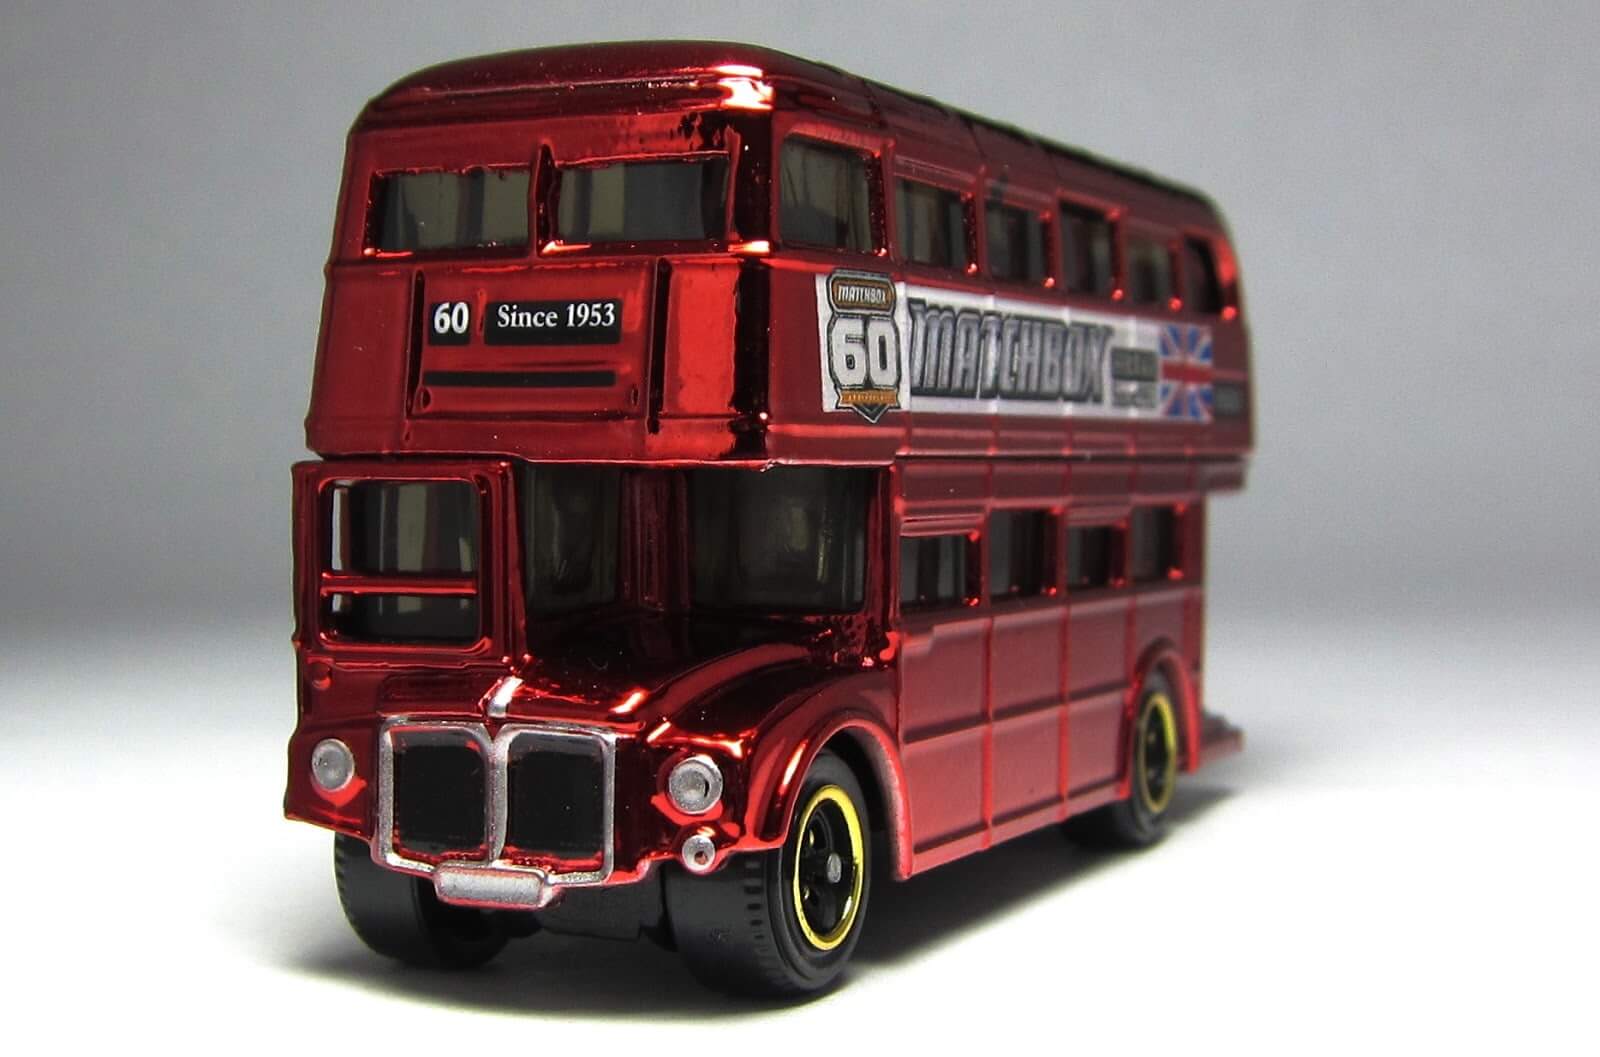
1153	751
398	915
783	922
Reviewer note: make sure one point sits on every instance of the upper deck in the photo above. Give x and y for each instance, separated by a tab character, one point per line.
747	342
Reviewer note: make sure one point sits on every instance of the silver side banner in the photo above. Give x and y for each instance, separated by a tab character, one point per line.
889	346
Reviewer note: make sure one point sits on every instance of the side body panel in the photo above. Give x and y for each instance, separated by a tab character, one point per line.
1014	712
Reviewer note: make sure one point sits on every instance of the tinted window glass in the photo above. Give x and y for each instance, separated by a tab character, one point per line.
449	210
1015	241
792	538
405	528
1086	250
1153	544
932	225
1149	272
933	571
824	197
569	536
437	619
1018	556
1089	556
1201	291
645	201
426	527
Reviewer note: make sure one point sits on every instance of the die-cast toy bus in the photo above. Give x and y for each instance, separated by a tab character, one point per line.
739	480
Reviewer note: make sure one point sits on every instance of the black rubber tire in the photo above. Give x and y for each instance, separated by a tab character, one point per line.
1132	823
738	928
398	915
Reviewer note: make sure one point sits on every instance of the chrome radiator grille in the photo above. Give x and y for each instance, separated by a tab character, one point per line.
532	796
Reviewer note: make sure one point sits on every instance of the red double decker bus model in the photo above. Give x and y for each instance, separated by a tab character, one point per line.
740	480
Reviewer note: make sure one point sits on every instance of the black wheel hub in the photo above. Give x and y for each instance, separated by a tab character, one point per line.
826	873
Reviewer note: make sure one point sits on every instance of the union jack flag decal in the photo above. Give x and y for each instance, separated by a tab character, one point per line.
1185	372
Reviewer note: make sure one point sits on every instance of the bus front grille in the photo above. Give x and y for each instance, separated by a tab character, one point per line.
539	797
440	792
555	799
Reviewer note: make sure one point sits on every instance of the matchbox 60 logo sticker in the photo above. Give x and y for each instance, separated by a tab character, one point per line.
861	344
890	346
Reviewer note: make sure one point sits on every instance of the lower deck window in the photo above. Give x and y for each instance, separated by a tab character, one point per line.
933	572
1153	541
1090	556
1019	555
787	539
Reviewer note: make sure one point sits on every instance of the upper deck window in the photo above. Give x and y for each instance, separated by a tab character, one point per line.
643	201
784	539
1086	250
824	196
932	226
1015	239
1201	290
1149	272
474	209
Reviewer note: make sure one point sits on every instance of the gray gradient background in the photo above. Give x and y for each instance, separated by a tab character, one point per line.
1403	602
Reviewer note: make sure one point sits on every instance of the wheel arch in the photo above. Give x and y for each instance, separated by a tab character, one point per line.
1163	656
868	749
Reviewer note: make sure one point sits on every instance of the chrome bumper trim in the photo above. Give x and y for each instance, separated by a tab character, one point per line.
497	755
522	888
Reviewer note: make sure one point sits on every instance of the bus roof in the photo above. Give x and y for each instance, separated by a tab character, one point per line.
507	74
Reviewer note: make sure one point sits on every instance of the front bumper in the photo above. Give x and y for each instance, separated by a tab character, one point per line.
494	886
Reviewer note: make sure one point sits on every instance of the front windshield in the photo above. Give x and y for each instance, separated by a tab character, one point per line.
570	521
787	539
643	201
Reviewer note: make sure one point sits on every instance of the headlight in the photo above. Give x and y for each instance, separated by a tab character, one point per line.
333	765
695	785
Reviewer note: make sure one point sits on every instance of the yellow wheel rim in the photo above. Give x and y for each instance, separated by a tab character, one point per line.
828	868
1155	753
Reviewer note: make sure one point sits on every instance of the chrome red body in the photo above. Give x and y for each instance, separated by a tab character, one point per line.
967	727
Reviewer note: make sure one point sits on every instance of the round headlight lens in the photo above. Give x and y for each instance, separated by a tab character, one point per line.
695	785
333	765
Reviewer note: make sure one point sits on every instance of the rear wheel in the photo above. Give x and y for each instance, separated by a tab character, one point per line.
1153	753
399	916
783	922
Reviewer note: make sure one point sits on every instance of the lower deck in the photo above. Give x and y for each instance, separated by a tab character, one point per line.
1032	601
1014	610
